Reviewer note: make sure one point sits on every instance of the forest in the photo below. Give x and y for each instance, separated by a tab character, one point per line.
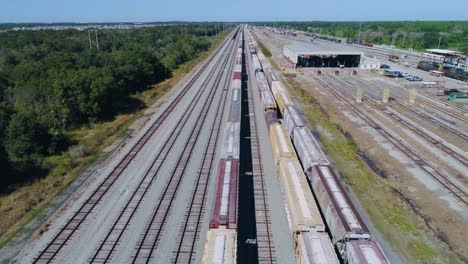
418	35
52	82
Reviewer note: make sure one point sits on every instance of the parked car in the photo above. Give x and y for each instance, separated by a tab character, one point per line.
384	66
414	79
404	75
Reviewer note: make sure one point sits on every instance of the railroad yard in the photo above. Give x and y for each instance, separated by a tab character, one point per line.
230	168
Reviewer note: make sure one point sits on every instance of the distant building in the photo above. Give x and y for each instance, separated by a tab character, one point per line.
316	56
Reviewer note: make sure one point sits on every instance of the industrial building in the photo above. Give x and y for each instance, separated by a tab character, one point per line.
314	55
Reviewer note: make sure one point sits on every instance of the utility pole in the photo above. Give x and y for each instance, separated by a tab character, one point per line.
360	26
97	40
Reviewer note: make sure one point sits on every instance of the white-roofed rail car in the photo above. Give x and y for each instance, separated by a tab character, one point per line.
270	75
262	82
220	247
230	148
268	101
224	211
280	143
364	252
308	149
235	107
291	119
256	63
277	87
303	210
340	214
315	248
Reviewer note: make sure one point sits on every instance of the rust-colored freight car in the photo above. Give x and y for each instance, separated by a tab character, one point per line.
364	252
225	204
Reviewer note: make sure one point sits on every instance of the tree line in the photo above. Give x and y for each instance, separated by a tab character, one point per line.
418	35
52	82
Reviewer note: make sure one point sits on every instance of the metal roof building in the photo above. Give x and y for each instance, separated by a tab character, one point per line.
317	55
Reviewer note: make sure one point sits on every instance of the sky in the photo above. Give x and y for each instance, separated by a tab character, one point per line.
20	11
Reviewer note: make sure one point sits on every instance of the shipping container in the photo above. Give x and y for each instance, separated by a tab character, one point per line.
315	247
291	120
280	143
283	100
364	252
268	101
271	118
220	247
340	214
224	211
302	208
308	149
230	148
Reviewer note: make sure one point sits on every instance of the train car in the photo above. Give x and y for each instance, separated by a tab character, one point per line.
263	60
308	149
283	100
262	82
315	247
280	143
271	118
303	211
235	107
224	211
268	101
236	83
270	75
364	252
277	87
291	120
231	145
238	67
220	247
342	218
256	63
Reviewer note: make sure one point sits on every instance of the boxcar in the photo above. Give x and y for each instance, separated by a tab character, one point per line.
277	86
256	63
283	101
303	210
340	214
225	204
364	252
280	143
270	75
271	118
315	247
231	140
308	149
291	120
268	101
220	246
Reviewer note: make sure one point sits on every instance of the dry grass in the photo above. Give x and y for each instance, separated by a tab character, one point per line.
22	205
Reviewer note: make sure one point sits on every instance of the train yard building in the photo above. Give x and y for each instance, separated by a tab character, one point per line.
318	56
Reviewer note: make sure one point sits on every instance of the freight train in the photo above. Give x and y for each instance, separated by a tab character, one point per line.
448	70
221	239
299	157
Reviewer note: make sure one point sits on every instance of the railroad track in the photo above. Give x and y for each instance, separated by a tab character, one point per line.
460	195
107	246
73	224
190	232
421	98
265	247
151	235
435	142
433	120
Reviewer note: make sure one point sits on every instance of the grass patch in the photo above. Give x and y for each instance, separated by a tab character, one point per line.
399	227
28	200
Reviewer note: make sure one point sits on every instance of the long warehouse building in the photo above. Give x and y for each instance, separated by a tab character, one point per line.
317	56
